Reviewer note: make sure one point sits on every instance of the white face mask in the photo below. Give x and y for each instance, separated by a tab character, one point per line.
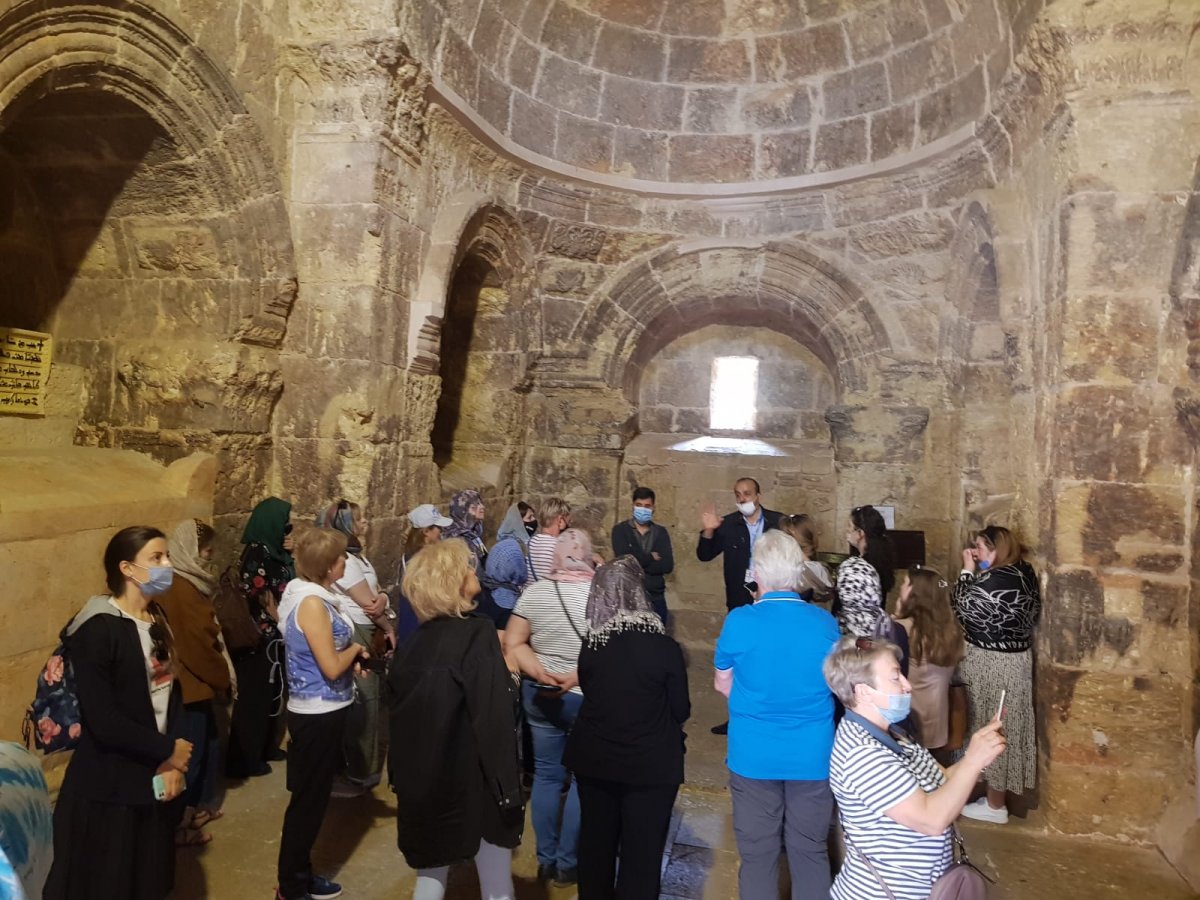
747	508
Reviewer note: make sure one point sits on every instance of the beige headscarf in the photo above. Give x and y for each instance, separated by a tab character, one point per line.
185	557
573	557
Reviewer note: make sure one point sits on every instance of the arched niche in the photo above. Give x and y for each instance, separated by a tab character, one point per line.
483	359
167	271
780	285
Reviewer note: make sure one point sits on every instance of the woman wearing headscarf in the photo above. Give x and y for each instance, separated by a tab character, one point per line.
265	571
467	510
626	749
366	606
520	524
505	575
200	668
544	636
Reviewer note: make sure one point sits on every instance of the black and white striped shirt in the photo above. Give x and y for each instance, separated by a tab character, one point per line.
870	773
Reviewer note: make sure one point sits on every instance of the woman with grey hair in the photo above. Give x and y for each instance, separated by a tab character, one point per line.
897	805
626	748
768	663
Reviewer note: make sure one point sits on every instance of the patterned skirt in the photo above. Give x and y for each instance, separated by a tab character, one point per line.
987	673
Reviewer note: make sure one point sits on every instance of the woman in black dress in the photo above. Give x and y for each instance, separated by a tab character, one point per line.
453	754
256	726
113	838
626	748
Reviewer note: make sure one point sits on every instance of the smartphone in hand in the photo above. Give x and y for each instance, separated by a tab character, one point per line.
160	788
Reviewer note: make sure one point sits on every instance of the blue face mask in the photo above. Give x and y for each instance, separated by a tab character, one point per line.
159	581
984	565
642	515
898	708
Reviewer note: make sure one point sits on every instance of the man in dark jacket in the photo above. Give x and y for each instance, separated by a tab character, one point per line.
650	544
735	536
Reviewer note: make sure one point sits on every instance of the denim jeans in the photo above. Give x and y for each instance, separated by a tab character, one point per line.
550	719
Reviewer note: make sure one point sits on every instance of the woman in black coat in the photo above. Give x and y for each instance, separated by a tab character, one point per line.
453	754
113	838
626	748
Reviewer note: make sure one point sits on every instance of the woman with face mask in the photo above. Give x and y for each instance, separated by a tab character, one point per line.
896	804
201	668
520	524
113	824
997	602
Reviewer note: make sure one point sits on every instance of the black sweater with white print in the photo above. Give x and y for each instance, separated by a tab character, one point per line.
999	608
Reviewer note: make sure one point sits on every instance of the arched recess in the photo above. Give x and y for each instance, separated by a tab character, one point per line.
133	53
777	285
484	338
172	258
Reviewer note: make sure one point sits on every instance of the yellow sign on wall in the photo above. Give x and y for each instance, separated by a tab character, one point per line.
24	370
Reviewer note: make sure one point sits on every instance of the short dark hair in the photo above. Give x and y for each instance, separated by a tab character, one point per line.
124	546
753	481
643	493
524	508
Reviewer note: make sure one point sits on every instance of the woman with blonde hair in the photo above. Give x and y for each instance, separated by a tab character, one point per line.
935	643
322	662
453	754
997	601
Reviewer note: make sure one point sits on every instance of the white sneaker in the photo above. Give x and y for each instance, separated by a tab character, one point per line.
981	811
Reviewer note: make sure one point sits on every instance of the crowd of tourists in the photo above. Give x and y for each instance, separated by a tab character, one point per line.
532	671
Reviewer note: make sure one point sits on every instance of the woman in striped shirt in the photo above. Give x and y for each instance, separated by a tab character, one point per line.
896	803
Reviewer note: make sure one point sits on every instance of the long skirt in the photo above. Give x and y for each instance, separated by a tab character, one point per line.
111	851
987	673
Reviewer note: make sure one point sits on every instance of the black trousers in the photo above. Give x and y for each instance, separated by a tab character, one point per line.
253	730
314	754
625	820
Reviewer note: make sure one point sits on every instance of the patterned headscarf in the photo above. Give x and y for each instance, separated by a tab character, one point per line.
617	602
183	545
340	517
573	557
506	572
465	526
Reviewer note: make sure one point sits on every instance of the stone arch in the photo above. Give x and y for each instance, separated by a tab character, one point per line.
136	54
482	354
778	285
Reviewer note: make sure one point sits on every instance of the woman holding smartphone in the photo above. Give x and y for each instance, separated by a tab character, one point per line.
117	810
997	601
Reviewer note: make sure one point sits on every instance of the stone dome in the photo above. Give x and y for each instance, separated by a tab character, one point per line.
702	92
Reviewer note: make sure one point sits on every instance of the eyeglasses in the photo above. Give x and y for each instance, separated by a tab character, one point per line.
158	642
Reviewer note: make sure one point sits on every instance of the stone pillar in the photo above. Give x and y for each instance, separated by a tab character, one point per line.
1117	670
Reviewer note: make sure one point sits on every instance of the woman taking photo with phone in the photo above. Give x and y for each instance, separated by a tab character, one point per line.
997	602
321	669
113	824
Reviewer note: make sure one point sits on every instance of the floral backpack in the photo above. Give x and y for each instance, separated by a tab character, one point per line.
53	719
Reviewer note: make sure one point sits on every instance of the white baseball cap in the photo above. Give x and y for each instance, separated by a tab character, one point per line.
427	515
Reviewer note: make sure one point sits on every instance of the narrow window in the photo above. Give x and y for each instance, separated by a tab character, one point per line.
733	401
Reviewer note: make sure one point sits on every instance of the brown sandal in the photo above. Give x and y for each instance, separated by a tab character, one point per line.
203	816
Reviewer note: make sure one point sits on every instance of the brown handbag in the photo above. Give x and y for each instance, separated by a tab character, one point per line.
238	628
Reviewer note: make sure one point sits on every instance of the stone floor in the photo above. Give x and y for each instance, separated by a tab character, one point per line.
358	843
